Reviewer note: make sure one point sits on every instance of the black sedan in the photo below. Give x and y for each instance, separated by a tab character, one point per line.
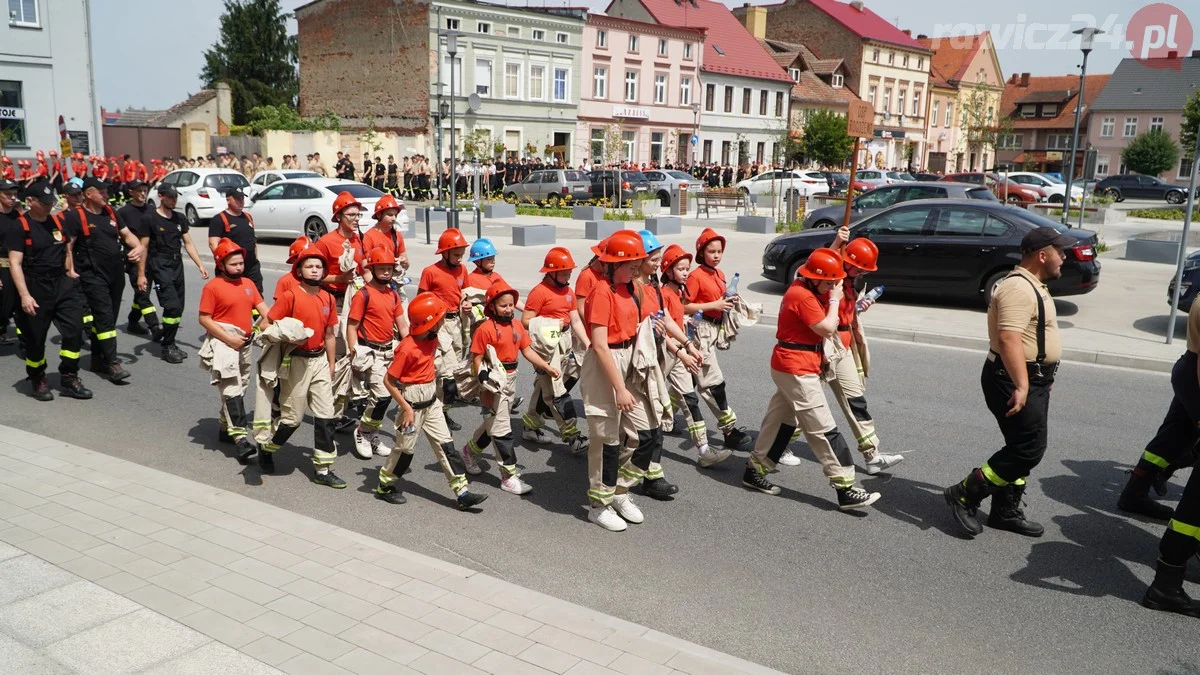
1135	186
1191	282
944	247
838	180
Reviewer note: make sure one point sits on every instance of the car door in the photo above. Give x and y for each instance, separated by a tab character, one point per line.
899	234
1151	187
656	179
961	248
265	206
302	201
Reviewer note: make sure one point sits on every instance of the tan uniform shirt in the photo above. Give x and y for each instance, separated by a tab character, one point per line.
1193	328
1014	308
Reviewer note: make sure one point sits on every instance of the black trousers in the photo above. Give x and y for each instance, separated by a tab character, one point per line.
9	303
1182	538
1173	446
102	288
254	273
1024	432
168	285
60	303
143	306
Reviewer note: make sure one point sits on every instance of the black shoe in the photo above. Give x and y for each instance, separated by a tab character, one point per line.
855	498
757	481
41	389
114	373
1143	505
72	387
469	500
329	479
224	437
246	451
659	488
135	328
1008	514
738	439
966	512
6	339
454	426
517	403
390	495
344	422
172	354
1166	594
156	333
266	461
1161	480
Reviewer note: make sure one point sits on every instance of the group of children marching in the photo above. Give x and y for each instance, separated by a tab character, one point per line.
639	333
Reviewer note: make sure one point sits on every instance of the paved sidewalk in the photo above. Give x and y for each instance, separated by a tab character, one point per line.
112	567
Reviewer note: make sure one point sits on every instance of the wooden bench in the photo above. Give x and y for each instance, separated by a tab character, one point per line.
714	199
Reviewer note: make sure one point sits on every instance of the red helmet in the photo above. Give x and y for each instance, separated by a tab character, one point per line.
424	312
557	260
823	264
297	247
54	153
674	254
495	291
598	247
451	239
5	160
226	248
386	202
623	246
381	255
863	254
343	201
706	237
307	254
41	155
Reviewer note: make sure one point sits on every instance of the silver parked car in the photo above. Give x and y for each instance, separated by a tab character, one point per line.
873	201
551	185
662	182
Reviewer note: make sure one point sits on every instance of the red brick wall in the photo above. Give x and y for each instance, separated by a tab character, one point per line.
366	59
799	21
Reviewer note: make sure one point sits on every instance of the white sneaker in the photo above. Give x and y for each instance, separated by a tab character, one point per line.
471	461
882	462
536	436
362	444
377	447
711	457
789	459
627	509
515	485
605	517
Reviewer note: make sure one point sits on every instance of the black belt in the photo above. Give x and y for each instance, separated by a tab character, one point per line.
711	320
844	326
422	405
510	366
308	353
452	315
621	345
1035	369
377	345
799	346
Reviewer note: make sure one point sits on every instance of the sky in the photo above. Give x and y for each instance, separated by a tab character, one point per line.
168	38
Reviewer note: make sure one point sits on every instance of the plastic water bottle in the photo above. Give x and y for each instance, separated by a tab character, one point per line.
731	289
871	296
691	327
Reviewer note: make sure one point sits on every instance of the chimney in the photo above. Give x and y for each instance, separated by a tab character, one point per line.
856	4
922	36
755	21
907	32
1024	79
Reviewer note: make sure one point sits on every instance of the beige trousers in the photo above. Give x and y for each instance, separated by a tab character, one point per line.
547	388
308	385
849	388
450	348
612	431
429	421
799	402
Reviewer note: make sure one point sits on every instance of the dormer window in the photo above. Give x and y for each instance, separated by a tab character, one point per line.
1050	110
794	73
837	81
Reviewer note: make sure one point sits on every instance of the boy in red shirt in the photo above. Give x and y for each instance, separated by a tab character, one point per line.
288	281
384	234
446	279
376	317
807	316
309	373
346	212
226	304
413	382
507	338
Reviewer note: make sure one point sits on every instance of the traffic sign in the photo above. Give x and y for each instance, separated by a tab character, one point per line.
860	121
695	139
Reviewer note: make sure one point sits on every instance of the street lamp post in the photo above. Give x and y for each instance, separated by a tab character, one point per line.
695	129
442	113
452	50
1086	37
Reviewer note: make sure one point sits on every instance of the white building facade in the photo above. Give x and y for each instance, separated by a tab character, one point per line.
742	119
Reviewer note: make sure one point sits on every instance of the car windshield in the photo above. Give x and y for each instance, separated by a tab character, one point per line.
900	175
679	174
576	176
223	181
634	176
300	174
356	190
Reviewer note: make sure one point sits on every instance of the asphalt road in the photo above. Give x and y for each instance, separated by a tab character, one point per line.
786	581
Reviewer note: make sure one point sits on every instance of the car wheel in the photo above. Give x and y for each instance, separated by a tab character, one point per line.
823	223
1174	197
793	269
989	286
554	198
1115	194
314	228
664	199
1014	199
1056	199
510	197
745	191
192	217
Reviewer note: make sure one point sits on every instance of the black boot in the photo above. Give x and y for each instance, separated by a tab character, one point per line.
737	439
266	462
1166	594
1008	514
135	327
73	387
41	389
659	488
964	498
454	426
1135	498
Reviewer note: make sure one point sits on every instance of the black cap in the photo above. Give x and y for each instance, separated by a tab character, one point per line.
71	188
1040	238
42	192
93	182
135	184
165	190
6	184
235	192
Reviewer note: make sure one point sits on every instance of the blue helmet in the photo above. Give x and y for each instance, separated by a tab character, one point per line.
649	241
482	248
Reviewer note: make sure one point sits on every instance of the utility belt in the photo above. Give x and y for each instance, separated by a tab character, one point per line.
715	322
626	344
308	353
46	275
510	366
1042	372
422	405
382	346
166	256
842	327
799	346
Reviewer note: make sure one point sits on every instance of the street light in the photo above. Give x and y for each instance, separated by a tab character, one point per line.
452	50
695	128
440	116
1086	37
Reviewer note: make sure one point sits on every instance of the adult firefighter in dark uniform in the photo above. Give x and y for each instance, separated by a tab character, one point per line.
39	259
9	305
1017	376
236	225
130	215
162	232
95	245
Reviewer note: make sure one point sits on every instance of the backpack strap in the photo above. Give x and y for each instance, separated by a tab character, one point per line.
1041	318
28	234
84	226
225	219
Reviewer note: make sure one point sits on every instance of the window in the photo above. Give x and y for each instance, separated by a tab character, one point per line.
1029	110
11	96
1106	127
728	99
514	32
600	86
633	44
725	147
878	199
900	100
629	142
660	89
903	221
887	100
602	39
921	63
561	75
1101	166
512	80
539	35
933	119
837	81
794	73
762	103
656	146
871	95
707	152
662	47
1011	141
1130	127
746	94
459	84
1185	168
917	110
710	95
1050	110
483	77
891	58
561	38
631	78
598	146
904	62
483	27
760	152
949	113
685	91
687	51
875	56
1156	124
537	82
779	104
1058	142
959	222
923	192
451	24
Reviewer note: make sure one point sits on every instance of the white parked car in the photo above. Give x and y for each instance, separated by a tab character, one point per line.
264	178
873	177
1055	189
782	182
288	208
201	191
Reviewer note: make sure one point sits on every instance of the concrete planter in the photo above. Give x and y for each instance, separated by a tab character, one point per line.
601	229
648	207
1153	250
756	224
664	225
500	210
587	212
533	235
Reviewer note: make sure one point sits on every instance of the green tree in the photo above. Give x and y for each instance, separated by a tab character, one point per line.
1151	153
255	56
982	128
285	118
1191	122
825	138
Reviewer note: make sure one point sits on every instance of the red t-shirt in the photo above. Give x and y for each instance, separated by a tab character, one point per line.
230	301
508	340
130	171
413	362
585	283
445	283
286	283
314	311
650	303
551	302
389	239
706	284
382	308
615	309
846	311
482	280
332	246
673	304
800	309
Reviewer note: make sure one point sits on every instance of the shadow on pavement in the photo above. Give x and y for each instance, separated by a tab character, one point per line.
1157	325
913	502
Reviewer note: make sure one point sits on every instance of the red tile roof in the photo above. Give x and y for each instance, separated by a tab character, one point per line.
865	23
952	56
1013	92
729	48
813	89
